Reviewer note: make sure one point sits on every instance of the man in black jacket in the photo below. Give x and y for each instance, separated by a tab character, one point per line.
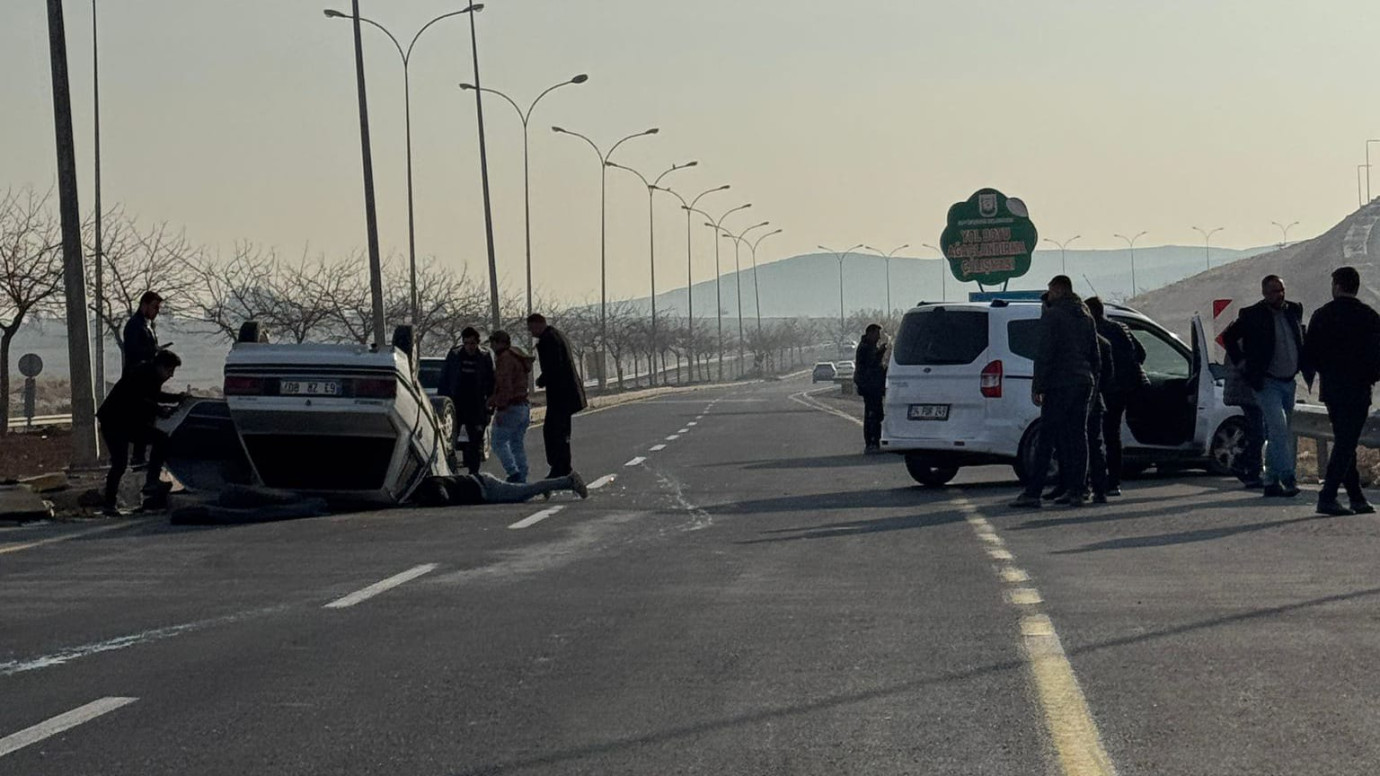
869	375
565	392
1128	377
1066	369
138	344
1268	342
468	379
1343	349
129	415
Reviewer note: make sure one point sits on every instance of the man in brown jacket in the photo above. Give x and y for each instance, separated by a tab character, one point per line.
509	402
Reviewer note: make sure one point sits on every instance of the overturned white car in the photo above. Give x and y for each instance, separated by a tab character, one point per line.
345	422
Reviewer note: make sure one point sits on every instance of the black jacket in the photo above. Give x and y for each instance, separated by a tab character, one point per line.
1343	348
1128	376
565	389
1068	356
140	341
1256	326
1106	377
133	402
869	368
469	382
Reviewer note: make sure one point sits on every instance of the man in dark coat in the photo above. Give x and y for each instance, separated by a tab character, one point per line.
869	375
1268	343
1066	369
468	379
130	414
1128	377
565	392
1343	349
138	344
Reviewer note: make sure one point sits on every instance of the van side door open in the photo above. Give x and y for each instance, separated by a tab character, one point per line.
1164	414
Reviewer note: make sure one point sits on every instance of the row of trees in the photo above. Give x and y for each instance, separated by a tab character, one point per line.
324	299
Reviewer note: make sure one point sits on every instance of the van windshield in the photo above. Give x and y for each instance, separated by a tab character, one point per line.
938	336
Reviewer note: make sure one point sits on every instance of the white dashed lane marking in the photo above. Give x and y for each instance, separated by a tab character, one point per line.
656	448
673	437
61	723
531	520
382	586
601	482
639	459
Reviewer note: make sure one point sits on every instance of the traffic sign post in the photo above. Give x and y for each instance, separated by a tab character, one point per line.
989	238
30	365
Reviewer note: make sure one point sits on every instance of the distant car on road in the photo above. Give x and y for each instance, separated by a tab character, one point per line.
824	372
843	369
958	393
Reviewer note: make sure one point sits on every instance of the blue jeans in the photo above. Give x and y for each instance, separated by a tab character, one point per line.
1276	400
510	438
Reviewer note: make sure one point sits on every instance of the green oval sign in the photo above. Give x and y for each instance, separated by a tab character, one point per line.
989	238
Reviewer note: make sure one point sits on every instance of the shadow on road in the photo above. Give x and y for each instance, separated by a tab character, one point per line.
903	498
858	528
1107	513
1185	537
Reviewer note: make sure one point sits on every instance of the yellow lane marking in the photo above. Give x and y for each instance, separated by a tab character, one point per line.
1025	596
9	548
1070	723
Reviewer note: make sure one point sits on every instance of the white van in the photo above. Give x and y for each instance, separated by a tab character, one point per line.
958	393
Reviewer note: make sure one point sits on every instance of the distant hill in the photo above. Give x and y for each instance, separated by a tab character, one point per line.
808	285
1305	266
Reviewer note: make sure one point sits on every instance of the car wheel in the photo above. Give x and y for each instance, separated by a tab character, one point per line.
1025	457
923	471
1228	443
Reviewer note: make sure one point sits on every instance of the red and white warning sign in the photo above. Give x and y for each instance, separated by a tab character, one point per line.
1223	313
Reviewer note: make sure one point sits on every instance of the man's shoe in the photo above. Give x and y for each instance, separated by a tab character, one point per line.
1076	502
1026	502
1055	495
1255	484
1099	498
1274	490
1063	500
111	512
578	485
1289	491
1331	507
1114	491
516	479
1362	508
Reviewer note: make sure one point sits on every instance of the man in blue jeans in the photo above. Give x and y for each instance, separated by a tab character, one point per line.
1267	340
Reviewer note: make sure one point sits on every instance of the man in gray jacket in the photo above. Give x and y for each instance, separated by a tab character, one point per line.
1066	368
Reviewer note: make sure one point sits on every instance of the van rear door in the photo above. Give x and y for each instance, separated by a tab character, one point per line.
934	384
1206	387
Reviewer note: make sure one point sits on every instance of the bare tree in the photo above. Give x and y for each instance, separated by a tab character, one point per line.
237	289
299	299
157	258
30	273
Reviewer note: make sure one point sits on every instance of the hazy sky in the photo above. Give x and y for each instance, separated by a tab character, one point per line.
842	122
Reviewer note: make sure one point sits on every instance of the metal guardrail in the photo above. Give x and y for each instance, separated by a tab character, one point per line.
41	421
1311	422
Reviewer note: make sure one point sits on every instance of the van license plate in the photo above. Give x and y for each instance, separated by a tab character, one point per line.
928	412
310	388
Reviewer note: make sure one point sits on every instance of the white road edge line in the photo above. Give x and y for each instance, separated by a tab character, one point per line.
639	459
62	722
601	482
683	431
532	520
673	437
693	422
656	448
381	586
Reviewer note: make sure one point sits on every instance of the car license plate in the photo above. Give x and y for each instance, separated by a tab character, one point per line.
310	388
928	412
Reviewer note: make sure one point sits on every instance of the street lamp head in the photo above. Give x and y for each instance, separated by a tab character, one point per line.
691	163
331	13
724	187
467	87
652	131
558	129
579	79
474	8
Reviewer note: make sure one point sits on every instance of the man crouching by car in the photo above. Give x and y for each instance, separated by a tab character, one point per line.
129	415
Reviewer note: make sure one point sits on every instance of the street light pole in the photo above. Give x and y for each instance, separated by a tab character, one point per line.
756	289
406	55
840	256
689	208
496	318
370	213
717	226
1131	243
943	272
1368	142
603	239
1063	247
887	256
526	117
651	243
1207	243
1284	230
98	333
738	284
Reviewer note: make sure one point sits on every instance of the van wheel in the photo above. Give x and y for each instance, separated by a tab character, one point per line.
925	473
1228	443
1025	457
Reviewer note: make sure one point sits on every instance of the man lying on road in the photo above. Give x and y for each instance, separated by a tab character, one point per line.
484	488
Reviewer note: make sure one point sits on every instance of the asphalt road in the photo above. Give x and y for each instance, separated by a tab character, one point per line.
755	597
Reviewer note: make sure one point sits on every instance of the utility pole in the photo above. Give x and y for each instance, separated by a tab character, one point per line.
370	214
98	330
84	448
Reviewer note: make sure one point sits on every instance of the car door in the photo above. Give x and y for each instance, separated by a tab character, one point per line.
1203	387
1164	413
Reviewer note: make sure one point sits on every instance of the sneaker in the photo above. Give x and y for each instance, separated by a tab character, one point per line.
1331	507
1114	491
578	485
1289	491
1362	508
1026	502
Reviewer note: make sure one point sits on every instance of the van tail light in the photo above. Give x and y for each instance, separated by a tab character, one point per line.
991	380
376	388
244	386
